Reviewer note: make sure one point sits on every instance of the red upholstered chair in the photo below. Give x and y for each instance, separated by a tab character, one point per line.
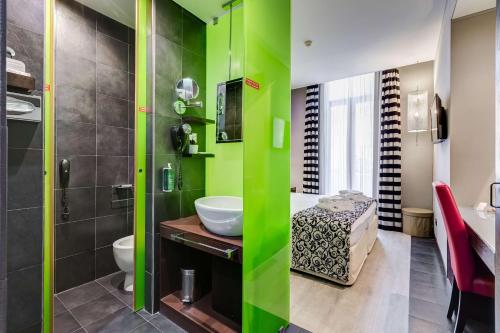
472	279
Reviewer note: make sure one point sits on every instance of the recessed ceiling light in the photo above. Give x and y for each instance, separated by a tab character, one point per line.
308	42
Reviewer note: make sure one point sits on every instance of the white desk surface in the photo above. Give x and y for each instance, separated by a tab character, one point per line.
483	224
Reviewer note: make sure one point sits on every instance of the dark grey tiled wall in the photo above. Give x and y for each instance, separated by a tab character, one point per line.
94	130
180	52
24	179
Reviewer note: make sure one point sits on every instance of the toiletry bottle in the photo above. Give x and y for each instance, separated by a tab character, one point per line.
168	178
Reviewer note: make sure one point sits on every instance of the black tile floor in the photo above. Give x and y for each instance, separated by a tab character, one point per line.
430	292
101	306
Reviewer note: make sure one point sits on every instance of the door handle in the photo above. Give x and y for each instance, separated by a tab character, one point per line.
492	185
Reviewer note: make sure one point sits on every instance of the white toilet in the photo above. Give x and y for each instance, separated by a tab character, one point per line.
123	250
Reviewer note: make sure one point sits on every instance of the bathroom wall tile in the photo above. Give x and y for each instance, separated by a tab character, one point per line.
27	14
149	133
104	195
105	262
82	170
24	238
187	201
74	237
148	302
167	207
131	51
112	170
75	11
24	179
112	141
24	298
112	81
193	174
28	46
74	104
75	138
112	111
74	271
112	52
149	175
131	87
130	222
75	71
112	28
168	72
169	20
149	252
131	141
163	139
110	229
81	203
23	134
131	114
75	38
194	33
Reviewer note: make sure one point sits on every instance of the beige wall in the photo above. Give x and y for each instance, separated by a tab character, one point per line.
297	137
472	115
417	148
442	86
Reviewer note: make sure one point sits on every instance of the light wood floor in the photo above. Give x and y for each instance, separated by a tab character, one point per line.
377	302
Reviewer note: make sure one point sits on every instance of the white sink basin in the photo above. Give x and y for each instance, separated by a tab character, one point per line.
221	215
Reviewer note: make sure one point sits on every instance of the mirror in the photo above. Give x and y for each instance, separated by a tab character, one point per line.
229	111
187	89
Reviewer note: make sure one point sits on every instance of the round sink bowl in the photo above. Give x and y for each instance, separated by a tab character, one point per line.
221	215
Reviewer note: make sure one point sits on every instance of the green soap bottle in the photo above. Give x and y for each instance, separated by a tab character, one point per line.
168	178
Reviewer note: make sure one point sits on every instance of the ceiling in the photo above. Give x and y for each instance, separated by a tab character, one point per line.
348	37
122	11
361	36
468	7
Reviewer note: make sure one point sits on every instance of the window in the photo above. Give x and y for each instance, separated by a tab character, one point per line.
347	139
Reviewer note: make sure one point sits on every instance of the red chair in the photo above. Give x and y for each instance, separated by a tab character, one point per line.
472	279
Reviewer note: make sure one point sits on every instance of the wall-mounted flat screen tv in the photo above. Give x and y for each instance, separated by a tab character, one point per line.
439	125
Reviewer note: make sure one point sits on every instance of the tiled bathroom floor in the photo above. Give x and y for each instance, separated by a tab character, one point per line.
100	306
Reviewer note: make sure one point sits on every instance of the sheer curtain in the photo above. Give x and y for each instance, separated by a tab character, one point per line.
348	135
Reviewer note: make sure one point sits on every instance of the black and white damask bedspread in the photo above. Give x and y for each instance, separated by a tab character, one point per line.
321	239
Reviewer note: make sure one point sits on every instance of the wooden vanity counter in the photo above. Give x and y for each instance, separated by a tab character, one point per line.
217	306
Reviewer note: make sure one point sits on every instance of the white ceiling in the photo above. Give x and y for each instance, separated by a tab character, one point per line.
361	36
122	11
468	7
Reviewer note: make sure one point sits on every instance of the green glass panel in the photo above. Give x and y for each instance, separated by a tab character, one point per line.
143	20
225	170
266	162
48	178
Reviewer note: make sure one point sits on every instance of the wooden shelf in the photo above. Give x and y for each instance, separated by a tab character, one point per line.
196	236
199	316
199	155
197	120
19	82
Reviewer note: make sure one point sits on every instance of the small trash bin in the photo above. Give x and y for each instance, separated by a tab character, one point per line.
418	222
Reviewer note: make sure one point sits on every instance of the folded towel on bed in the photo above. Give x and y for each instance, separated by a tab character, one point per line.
341	203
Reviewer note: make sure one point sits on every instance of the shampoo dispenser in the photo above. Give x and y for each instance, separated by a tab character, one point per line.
168	181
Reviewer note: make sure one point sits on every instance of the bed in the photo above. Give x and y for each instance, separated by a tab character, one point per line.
340	263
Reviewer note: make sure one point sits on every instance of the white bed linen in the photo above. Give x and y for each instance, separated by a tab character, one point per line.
363	232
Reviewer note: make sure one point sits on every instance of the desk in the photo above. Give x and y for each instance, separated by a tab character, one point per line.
481	227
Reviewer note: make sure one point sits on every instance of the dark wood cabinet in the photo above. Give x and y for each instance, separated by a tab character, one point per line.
217	305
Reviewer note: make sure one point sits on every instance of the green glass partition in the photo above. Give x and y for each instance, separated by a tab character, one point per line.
142	107
266	163
48	178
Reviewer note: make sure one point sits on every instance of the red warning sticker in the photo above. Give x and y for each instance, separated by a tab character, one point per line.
252	84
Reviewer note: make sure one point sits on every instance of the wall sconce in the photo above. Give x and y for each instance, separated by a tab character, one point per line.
417	115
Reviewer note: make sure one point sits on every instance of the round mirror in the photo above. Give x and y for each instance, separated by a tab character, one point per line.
187	89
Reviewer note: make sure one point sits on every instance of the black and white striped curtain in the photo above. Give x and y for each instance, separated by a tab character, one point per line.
311	141
389	193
